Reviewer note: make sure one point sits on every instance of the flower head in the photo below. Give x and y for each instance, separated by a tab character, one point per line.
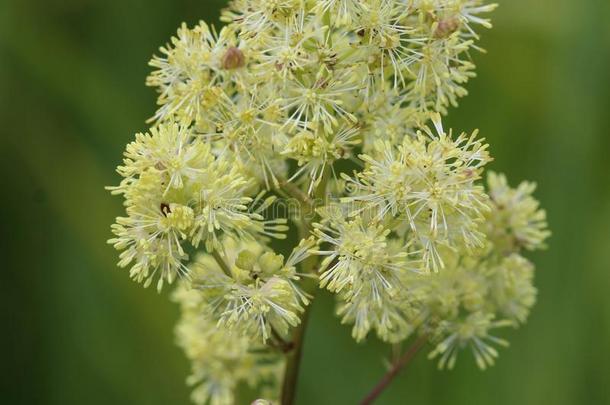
178	192
473	332
363	266
191	69
253	290
220	360
430	183
315	151
516	219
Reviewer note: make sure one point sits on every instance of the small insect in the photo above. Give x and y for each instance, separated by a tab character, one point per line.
165	209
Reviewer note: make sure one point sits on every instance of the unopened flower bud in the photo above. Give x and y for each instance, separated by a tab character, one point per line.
446	27
233	59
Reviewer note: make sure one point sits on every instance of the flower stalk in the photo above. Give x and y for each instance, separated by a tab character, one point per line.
395	369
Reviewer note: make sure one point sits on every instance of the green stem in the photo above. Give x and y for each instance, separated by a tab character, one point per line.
293	361
295	192
293	358
308	266
221	262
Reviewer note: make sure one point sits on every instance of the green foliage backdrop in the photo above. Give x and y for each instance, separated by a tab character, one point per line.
78	331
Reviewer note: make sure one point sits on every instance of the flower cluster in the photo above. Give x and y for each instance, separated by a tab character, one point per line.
221	360
177	191
308	79
478	289
337	105
252	290
427	183
488	289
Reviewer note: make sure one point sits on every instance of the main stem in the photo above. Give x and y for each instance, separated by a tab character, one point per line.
393	372
293	358
308	266
293	361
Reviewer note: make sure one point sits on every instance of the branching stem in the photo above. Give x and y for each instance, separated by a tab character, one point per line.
222	263
280	343
394	370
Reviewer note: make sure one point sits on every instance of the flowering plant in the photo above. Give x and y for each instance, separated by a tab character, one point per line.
321	121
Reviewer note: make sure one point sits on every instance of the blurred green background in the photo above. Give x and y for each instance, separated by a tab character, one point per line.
78	331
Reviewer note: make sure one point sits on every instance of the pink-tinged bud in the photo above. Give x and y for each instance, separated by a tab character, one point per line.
446	27
233	59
